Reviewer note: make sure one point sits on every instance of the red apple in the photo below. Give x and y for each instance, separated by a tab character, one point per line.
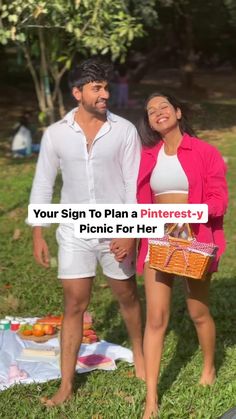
93	338
88	332
48	329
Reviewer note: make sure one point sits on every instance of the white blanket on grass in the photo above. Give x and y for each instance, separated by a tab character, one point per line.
11	346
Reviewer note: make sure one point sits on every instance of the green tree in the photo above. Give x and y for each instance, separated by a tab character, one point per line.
51	32
194	31
231	7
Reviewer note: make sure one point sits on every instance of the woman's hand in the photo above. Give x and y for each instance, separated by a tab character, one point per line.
122	248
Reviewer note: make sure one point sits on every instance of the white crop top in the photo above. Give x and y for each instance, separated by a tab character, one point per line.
168	175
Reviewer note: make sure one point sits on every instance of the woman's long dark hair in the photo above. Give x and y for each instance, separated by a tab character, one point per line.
149	137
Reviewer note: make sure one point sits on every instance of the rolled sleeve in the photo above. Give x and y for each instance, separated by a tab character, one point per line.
216	185
45	174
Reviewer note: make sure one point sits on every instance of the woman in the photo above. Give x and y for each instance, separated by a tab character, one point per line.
178	168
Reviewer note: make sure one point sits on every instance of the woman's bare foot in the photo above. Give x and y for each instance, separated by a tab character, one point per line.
139	367
60	397
208	377
151	411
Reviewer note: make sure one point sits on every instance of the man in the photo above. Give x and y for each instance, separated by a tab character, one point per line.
98	154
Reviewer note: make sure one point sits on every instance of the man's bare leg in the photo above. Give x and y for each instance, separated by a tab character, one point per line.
126	293
76	299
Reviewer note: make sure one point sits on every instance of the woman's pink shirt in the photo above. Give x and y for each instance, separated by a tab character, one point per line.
206	173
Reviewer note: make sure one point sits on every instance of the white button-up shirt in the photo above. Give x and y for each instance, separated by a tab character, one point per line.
106	174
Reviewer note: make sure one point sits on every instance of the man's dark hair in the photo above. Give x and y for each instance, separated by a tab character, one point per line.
93	69
149	137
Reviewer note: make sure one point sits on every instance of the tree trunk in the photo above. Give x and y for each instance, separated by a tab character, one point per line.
57	93
45	78
38	90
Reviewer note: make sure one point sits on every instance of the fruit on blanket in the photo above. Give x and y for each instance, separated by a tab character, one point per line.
90	339
27	332
26	326
87	318
93	338
86	340
48	329
87	325
88	332
37	326
57	320
53	320
38	332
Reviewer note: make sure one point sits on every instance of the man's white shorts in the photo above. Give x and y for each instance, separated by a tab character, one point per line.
78	258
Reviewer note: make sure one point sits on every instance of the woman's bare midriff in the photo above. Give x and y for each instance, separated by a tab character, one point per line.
171	198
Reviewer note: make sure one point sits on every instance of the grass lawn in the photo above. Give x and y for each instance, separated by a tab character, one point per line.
28	290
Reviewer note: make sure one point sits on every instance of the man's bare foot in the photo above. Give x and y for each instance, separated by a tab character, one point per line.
139	367
59	398
151	411
208	377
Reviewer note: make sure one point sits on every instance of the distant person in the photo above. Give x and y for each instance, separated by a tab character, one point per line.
22	140
24	132
123	89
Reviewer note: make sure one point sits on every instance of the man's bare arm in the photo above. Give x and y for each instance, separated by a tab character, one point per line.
40	247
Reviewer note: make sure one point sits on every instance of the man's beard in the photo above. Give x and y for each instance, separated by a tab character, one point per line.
94	110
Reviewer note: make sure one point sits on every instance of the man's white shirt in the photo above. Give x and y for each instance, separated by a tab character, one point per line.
107	174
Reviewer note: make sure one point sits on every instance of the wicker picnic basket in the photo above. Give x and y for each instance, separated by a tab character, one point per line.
181	256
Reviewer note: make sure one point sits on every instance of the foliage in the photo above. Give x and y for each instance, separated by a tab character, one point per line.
144	9
196	33
231	7
96	25
50	33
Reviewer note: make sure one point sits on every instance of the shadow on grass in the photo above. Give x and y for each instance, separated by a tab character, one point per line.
223	309
21	161
50	388
80	380
212	116
115	330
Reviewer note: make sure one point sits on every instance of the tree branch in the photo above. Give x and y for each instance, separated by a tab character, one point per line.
33	73
44	26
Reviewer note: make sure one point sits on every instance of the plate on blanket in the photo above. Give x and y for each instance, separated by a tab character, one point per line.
38	339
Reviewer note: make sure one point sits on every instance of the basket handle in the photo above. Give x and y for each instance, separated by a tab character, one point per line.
181	229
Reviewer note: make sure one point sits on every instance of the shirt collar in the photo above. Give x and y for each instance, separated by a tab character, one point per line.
186	143
69	117
111	117
153	150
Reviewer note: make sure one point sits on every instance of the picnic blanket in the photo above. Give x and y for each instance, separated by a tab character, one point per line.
13	370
